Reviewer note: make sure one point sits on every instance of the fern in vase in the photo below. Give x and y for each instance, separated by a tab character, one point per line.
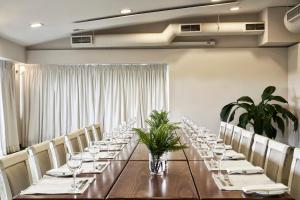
160	138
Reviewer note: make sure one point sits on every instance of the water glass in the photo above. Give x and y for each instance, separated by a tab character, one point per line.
218	152
94	150
74	163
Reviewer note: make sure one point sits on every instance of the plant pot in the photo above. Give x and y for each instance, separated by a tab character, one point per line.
157	165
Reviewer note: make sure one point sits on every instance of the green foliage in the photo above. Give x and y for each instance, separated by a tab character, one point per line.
161	136
262	116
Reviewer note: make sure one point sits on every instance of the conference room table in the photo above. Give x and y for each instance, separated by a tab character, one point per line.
128	177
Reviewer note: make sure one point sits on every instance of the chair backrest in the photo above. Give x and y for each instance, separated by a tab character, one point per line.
58	151
89	134
40	160
259	150
228	133
275	160
15	174
73	142
83	138
222	130
245	143
97	131
294	177
236	136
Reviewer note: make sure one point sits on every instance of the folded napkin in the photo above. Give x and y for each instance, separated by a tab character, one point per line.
206	154
61	171
111	147
127	135
87	157
227	147
266	189
238	182
87	167
233	155
55	185
212	165
245	170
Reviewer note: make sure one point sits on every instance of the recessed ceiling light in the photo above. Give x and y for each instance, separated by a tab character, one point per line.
36	25
215	0
126	11
236	8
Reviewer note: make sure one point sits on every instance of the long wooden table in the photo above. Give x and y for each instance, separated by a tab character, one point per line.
128	177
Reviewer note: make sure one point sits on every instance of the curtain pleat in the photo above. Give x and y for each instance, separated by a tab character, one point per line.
9	138
62	98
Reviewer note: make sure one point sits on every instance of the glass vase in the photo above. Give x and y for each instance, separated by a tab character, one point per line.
157	164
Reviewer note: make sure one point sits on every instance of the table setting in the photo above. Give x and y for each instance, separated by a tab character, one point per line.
229	169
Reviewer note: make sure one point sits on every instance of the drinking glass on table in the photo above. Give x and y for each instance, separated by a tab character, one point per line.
74	163
94	150
218	152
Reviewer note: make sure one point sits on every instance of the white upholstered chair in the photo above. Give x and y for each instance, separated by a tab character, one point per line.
15	174
72	141
228	134
276	161
294	177
83	139
236	136
259	150
245	143
222	130
90	134
97	131
58	151
40	160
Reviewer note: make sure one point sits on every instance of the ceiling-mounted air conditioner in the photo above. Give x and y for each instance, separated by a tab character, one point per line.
81	40
292	19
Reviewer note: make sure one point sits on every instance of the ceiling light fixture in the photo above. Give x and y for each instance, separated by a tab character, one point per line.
214	1
125	11
236	8
36	25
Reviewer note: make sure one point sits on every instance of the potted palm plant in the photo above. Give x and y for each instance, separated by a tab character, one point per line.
159	139
262	116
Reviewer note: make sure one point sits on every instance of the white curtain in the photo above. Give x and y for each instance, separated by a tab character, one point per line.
62	98
9	138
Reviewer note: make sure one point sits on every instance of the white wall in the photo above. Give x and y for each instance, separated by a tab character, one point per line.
294	87
12	51
201	80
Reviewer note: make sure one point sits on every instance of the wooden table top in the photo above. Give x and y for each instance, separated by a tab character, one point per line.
136	183
141	153
128	177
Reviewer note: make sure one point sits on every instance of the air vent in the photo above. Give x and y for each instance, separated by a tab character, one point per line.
255	27
293	13
82	40
190	28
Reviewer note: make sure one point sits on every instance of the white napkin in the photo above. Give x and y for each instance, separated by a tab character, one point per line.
266	189
87	167
54	185
206	154
233	155
61	171
227	147
237	182
112	147
228	164
87	157
245	170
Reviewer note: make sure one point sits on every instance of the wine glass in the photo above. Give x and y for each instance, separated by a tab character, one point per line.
94	150
218	152
74	163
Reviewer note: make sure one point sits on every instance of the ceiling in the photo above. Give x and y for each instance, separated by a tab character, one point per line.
58	15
